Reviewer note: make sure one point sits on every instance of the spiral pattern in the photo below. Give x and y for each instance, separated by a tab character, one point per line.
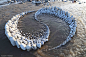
28	43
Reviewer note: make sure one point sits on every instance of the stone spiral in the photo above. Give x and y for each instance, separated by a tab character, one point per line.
25	43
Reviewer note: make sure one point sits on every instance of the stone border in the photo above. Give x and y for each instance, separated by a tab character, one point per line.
65	16
20	41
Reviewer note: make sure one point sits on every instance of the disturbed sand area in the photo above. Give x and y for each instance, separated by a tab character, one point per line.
75	48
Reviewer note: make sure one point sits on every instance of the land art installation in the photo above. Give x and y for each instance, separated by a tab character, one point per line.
28	43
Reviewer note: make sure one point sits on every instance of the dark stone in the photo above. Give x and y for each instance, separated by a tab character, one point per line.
79	2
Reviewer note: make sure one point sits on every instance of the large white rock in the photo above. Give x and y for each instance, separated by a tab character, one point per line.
64	42
23	46
25	42
18	43
39	45
11	30
28	47
68	38
18	15
23	13
55	14
9	21
42	42
6	26
7	31
12	34
58	13
46	39
34	46
19	35
15	36
23	37
13	26
8	35
70	32
28	40
74	28
13	41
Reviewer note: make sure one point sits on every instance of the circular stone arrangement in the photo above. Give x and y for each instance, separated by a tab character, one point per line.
17	39
28	43
65	16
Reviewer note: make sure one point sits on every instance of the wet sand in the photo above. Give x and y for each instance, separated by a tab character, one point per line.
59	31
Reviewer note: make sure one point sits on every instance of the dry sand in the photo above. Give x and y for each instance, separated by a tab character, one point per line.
59	31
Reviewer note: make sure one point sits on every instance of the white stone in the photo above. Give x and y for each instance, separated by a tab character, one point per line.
7	31
23	37
71	35
28	40
6	26
23	13
42	42
8	35
44	39
70	32
13	40
68	39
66	18
12	34
39	45
23	46
18	43
74	28
13	26
64	43
55	14
25	42
28	47
9	21
58	13
34	46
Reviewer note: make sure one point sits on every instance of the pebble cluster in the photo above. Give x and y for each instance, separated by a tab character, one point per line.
65	16
17	39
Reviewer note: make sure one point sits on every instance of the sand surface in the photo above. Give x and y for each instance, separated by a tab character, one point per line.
59	31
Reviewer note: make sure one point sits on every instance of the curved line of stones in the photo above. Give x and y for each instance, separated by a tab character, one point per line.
65	16
20	41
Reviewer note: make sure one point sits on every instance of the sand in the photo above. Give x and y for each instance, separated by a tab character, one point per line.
59	31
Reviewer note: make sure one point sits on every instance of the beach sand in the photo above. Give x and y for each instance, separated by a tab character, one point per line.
59	31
